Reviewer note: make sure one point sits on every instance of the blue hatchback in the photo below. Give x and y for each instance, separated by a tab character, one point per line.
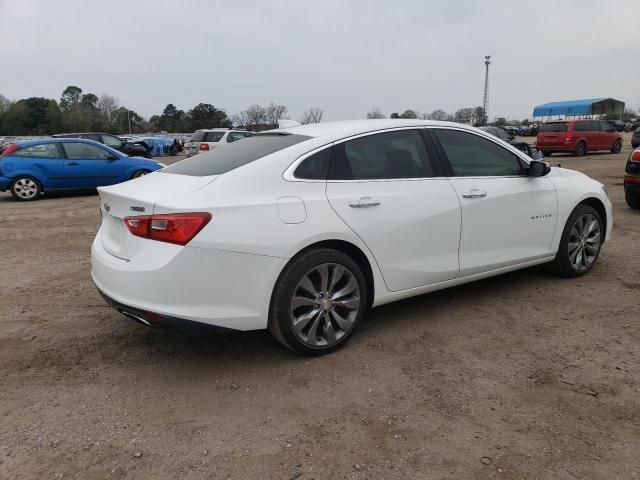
31	167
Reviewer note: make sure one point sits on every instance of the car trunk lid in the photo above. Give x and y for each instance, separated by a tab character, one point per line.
138	197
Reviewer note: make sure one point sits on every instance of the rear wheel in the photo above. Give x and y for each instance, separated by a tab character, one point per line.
140	173
580	149
26	189
580	243
617	146
319	299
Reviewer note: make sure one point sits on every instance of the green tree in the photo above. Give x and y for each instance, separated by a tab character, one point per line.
205	115
71	97
408	114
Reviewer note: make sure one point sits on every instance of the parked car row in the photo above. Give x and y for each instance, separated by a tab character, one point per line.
207	140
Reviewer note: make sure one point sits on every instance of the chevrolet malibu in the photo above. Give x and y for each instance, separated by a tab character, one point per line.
302	230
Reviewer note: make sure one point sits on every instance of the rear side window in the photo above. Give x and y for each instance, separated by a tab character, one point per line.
236	154
473	156
111	141
554	127
46	150
197	137
389	155
213	136
314	167
233	136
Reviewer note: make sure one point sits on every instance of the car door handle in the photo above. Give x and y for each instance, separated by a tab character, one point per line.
474	193
364	202
73	164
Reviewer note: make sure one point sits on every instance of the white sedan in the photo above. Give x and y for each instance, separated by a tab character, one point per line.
301	230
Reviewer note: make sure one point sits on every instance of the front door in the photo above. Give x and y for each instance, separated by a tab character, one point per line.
89	165
507	216
385	187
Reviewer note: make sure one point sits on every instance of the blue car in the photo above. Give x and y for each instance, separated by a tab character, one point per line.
29	168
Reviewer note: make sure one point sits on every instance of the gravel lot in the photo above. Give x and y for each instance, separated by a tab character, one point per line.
524	376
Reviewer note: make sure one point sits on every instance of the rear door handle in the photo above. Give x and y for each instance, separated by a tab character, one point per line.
73	164
364	202
474	193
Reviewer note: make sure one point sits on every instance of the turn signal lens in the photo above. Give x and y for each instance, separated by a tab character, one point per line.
635	156
178	228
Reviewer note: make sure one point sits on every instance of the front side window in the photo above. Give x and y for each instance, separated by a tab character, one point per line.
314	167
84	151
111	141
213	136
389	155
46	150
606	127
470	155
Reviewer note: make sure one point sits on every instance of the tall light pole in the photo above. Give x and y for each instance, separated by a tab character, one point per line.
485	101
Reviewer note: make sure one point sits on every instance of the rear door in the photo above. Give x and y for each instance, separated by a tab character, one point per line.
388	189
507	216
89	165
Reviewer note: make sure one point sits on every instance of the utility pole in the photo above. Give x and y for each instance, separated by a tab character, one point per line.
129	120
485	101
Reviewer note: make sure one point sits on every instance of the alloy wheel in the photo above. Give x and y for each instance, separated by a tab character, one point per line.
584	242
325	305
25	188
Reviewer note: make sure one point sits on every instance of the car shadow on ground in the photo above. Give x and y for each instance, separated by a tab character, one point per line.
258	346
7	197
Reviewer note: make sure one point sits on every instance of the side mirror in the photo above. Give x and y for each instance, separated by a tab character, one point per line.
538	168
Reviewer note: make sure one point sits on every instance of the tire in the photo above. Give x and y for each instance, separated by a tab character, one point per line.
546	153
632	200
318	302
139	173
580	149
579	237
617	146
26	189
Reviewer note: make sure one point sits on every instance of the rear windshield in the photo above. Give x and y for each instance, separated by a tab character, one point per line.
234	155
554	127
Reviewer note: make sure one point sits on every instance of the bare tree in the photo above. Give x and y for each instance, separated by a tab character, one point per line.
375	113
256	115
5	104
240	119
107	106
274	113
312	115
439	115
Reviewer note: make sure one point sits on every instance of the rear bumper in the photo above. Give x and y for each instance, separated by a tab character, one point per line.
215	287
632	187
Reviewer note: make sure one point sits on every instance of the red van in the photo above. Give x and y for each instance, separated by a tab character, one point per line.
578	137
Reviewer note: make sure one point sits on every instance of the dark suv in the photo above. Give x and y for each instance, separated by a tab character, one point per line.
131	149
632	180
635	138
578	137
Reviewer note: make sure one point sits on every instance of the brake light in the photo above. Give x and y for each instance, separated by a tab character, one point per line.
178	228
635	156
12	147
204	146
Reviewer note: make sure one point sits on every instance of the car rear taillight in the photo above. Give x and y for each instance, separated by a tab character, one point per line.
178	228
12	147
567	137
204	146
635	156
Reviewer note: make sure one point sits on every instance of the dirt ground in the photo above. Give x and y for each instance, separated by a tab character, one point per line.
523	376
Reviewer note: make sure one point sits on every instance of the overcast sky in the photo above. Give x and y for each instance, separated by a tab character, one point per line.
344	56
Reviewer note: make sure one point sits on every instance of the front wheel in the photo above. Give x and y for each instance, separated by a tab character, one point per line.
318	301
580	243
25	189
617	146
